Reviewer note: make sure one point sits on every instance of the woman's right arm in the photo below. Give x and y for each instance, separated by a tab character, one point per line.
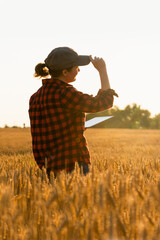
70	98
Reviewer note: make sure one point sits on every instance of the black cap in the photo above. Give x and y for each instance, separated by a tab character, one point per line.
65	57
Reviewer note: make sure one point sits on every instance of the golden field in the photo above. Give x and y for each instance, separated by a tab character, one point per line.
119	199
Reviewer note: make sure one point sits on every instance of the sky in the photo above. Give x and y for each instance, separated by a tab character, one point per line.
125	33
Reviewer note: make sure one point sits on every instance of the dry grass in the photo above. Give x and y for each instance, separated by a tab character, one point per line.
119	199
15	140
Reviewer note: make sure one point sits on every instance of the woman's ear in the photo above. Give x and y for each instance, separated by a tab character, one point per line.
64	72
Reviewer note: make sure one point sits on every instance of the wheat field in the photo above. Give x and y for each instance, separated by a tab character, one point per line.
119	199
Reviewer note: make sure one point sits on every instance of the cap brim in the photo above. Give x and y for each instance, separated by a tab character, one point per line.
83	60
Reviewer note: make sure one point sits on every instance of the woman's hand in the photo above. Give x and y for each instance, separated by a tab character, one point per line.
98	63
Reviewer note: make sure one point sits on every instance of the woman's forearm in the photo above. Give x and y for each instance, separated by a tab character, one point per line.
100	65
105	84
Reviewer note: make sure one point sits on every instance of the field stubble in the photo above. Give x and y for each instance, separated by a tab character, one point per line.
119	199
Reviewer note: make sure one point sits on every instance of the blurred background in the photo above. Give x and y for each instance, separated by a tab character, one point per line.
125	33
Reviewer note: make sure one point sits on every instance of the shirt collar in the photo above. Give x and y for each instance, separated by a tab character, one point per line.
54	81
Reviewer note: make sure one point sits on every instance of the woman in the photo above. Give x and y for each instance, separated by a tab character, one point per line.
57	110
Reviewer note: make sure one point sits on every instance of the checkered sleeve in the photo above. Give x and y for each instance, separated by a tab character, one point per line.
71	98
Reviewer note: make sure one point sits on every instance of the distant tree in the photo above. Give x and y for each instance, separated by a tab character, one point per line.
136	117
155	122
145	119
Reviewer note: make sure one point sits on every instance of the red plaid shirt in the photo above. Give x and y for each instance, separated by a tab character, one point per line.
57	117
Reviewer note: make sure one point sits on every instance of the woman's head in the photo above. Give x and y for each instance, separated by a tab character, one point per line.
61	62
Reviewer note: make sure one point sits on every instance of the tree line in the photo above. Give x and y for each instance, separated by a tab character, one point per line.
132	116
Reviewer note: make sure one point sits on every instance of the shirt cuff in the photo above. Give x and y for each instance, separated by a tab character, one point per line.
109	92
